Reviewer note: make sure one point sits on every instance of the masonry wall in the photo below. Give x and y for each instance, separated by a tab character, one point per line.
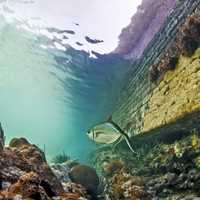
145	108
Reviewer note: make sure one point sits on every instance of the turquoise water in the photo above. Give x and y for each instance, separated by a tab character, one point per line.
53	95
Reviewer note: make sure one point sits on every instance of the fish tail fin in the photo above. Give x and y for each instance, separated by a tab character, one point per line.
128	142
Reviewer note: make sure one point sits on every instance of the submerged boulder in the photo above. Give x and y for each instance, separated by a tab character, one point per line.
25	174
86	176
29	152
29	186
20	158
18	142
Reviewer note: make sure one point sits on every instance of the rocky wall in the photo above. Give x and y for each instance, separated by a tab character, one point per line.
176	96
144	107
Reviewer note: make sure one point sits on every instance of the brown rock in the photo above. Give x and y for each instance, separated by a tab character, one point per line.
28	151
18	142
30	186
24	167
22	157
86	176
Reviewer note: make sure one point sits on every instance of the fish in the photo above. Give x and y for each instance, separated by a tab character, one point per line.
109	132
104	134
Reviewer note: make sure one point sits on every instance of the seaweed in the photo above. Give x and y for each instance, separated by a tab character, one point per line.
61	158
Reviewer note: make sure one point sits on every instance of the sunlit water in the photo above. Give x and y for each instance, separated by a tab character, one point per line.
51	93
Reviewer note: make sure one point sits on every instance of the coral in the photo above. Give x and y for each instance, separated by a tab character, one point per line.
113	167
27	187
31	186
124	186
61	171
86	176
76	189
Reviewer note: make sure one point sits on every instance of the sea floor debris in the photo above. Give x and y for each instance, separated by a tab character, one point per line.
161	172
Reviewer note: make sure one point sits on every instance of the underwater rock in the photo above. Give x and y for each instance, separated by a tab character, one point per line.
22	158
61	171
124	186
113	167
86	176
18	142
29	186
25	174
12	166
28	151
73	188
35	157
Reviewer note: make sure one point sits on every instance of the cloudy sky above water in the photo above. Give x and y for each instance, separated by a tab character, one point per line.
99	19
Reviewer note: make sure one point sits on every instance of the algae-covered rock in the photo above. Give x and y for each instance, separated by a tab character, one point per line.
124	186
25	174
18	142
29	186
113	167
86	176
22	157
29	152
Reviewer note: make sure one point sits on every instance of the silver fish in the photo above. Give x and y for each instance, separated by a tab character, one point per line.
108	133
104	133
